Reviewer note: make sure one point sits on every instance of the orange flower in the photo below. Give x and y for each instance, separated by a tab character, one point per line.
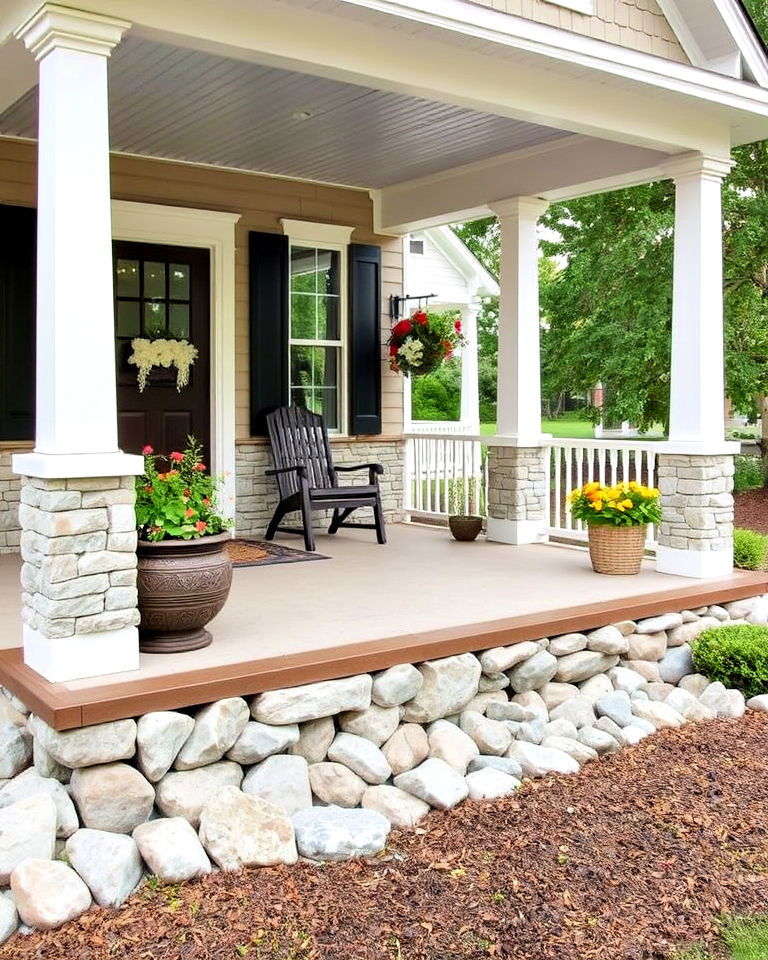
200	526
189	512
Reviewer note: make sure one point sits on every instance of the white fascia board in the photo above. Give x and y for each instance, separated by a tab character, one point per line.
746	39
461	257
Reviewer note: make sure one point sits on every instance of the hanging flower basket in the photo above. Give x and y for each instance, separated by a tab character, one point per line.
420	344
617	519
161	352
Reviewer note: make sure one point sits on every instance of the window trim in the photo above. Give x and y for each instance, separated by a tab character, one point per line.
326	236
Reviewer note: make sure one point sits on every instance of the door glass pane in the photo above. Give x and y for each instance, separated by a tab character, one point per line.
328	271
328	327
154	279
178	281
154	320
128	318
127	278
178	320
303	270
303	321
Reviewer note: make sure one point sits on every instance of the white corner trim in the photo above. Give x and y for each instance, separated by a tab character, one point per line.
307	231
698	564
516	531
214	230
82	655
59	466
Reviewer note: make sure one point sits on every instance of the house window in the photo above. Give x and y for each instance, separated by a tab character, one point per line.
317	343
417	247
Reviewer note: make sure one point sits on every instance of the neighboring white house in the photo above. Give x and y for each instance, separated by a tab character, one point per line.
437	261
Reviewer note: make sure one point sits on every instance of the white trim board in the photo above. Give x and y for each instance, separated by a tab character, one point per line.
211	229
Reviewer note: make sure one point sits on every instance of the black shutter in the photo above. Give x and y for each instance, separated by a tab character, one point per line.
18	249
268	280
365	339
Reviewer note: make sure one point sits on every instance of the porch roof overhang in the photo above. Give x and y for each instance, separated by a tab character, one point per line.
469	111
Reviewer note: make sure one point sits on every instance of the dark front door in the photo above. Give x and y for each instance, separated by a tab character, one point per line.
162	292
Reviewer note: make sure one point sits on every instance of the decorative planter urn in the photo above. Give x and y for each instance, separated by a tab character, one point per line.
465	527
182	585
617	551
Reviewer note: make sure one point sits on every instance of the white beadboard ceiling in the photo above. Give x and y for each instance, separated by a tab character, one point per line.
183	104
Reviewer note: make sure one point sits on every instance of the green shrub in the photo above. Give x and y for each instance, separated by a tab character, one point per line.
750	550
736	655
748	475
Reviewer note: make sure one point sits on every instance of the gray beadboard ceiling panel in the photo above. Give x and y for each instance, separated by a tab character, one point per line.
182	104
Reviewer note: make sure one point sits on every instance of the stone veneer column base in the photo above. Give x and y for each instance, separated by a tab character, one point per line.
696	532
517	494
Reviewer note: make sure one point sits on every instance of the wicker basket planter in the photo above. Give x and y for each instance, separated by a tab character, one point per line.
617	551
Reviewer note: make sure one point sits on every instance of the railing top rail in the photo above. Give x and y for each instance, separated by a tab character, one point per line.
469	437
590	444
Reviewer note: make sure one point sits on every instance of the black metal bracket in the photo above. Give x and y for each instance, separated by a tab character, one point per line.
396	303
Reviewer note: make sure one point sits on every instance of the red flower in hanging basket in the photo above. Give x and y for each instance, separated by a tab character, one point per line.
402	329
393	348
457	326
421	318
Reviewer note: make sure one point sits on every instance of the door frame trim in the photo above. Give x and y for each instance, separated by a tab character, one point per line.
215	231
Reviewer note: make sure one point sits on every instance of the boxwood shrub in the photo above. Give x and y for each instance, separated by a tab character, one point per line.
750	550
736	655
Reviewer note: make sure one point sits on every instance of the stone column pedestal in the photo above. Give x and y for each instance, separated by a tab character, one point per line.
696	533
79	600
517	494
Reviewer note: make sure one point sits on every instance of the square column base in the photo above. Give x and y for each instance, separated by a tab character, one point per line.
698	564
515	531
82	655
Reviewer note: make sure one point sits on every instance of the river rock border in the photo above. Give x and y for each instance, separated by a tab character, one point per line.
325	770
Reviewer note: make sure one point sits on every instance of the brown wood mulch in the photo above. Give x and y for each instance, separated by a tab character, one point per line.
635	854
751	508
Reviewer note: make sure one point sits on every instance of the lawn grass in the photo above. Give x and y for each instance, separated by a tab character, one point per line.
573	430
744	938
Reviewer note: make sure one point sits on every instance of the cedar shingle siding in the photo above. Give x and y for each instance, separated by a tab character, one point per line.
638	24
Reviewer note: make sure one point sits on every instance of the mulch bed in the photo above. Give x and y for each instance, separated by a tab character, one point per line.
634	855
752	510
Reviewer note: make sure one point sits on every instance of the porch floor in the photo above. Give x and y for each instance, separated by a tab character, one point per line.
367	607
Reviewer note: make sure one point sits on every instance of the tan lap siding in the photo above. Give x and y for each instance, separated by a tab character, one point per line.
638	24
261	202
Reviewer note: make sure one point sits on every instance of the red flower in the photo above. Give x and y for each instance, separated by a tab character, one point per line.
189	512
148	488
402	329
200	467
206	502
147	451
200	526
178	457
421	318
447	346
393	348
457	326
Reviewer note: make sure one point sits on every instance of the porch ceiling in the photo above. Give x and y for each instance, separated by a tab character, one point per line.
182	104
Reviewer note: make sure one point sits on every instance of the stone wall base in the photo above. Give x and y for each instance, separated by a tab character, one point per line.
517	494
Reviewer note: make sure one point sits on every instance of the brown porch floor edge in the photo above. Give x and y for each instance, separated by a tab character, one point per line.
63	708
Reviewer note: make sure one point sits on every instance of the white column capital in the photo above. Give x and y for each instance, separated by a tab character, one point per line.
522	208
697	165
54	27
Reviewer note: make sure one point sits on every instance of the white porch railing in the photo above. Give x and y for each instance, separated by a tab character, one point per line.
440	427
444	474
575	462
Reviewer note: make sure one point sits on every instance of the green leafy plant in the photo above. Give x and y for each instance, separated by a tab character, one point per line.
180	502
736	655
750	550
748	474
463	491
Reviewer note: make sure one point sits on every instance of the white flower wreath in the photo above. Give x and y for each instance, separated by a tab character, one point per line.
162	353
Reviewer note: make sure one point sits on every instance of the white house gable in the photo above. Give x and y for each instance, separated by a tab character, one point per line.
432	272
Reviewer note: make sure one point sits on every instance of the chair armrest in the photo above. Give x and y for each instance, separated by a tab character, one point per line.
296	468
373	467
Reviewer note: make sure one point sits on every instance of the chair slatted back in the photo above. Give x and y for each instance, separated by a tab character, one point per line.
298	436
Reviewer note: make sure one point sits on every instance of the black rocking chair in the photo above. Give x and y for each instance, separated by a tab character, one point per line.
307	481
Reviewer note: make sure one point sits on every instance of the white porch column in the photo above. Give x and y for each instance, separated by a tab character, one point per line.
470	391
695	467
79	537
517	507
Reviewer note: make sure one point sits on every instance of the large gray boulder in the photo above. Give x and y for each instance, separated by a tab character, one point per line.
534	672
501	659
435	782
172	849
281	780
331	833
449	743
261	740
617	706
9	918
376	724
580	752
31	784
159	737
579	711
313	700
583	665
184	793
48	893
315	736
406	748
216	729
361	756
109	863
506	764
538	761
112	796
396	685
491	736
15	750
400	808
448	686
27	830
87	746
490	783
609	640
677	663
336	785
659	714
238	830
